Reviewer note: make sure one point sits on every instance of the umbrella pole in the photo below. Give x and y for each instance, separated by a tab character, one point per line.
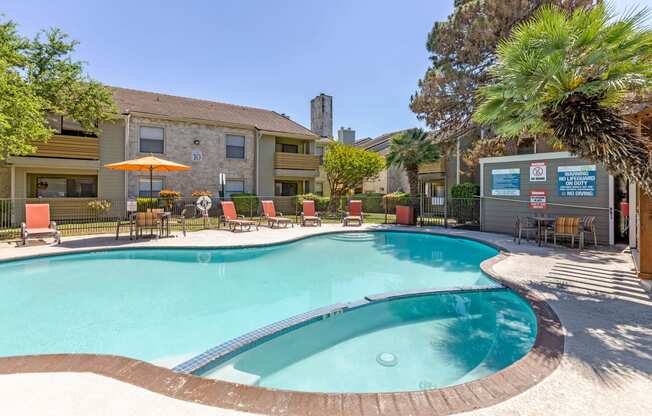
151	187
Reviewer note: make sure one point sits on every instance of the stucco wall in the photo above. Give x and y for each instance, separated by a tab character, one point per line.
499	212
5	181
179	138
266	165
112	149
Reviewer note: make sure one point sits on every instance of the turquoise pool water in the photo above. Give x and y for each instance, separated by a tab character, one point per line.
405	344
166	305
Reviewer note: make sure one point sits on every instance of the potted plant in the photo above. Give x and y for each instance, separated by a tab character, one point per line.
168	197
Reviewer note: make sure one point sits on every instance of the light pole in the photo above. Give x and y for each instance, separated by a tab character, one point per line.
222	180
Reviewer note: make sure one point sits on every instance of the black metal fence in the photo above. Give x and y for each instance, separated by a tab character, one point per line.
76	216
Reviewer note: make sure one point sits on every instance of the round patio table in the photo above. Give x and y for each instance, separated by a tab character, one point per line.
542	221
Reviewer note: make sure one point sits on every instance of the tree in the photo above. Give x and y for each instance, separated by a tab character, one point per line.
39	77
566	75
347	166
462	49
409	150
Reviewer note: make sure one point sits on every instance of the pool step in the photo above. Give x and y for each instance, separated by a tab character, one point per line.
353	237
230	373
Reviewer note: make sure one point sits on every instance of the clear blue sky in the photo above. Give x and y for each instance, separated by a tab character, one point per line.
367	54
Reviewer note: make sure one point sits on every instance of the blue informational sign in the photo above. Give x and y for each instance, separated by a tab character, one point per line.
576	181
506	182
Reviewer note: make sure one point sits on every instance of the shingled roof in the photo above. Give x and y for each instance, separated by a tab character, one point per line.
379	143
172	106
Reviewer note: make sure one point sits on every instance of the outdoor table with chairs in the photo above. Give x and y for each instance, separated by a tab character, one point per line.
543	226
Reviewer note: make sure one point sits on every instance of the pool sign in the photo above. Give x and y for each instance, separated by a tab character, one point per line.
538	172
576	181
506	182
538	199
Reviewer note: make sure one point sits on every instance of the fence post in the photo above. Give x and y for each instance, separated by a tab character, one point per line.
445	211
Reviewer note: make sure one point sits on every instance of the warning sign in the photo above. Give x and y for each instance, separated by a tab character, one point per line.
538	172
538	199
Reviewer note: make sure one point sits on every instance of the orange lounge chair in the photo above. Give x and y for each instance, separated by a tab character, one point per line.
309	214
354	214
273	217
232	219
37	223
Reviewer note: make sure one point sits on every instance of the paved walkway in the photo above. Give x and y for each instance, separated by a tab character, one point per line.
606	369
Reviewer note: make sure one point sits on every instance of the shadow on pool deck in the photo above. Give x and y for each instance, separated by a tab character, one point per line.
610	335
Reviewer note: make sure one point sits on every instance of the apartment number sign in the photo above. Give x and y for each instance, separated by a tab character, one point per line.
197	155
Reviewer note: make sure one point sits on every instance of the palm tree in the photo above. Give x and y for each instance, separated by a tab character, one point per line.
410	149
567	75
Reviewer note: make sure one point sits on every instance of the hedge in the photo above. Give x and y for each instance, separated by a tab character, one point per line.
465	190
321	202
245	204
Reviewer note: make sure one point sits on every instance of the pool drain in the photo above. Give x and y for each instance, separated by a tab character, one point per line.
387	359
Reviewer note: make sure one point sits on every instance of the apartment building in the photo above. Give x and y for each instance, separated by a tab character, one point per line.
260	151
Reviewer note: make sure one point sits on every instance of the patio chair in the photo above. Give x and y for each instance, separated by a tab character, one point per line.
588	227
566	227
354	214
37	223
524	225
309	214
146	221
231	218
273	217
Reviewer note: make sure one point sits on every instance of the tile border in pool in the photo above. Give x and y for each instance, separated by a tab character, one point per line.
538	363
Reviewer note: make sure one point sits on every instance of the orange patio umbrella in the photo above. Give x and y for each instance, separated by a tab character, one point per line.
148	163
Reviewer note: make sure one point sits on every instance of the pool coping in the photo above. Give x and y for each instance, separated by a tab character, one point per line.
544	357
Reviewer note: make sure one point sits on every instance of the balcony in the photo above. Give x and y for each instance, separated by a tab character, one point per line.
69	147
295	161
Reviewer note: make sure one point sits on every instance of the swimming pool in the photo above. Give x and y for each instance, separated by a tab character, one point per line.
168	305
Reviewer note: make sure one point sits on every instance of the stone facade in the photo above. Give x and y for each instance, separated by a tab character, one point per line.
321	115
179	147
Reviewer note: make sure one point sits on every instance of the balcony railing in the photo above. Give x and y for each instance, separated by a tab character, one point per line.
69	147
432	167
296	161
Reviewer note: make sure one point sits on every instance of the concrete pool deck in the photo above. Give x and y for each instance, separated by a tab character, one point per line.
606	367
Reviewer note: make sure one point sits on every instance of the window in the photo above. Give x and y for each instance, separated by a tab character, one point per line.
235	147
67	127
282	188
143	187
233	186
152	140
287	148
319	188
63	186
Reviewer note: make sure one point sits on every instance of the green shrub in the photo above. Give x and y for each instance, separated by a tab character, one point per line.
371	202
245	204
465	190
321	202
